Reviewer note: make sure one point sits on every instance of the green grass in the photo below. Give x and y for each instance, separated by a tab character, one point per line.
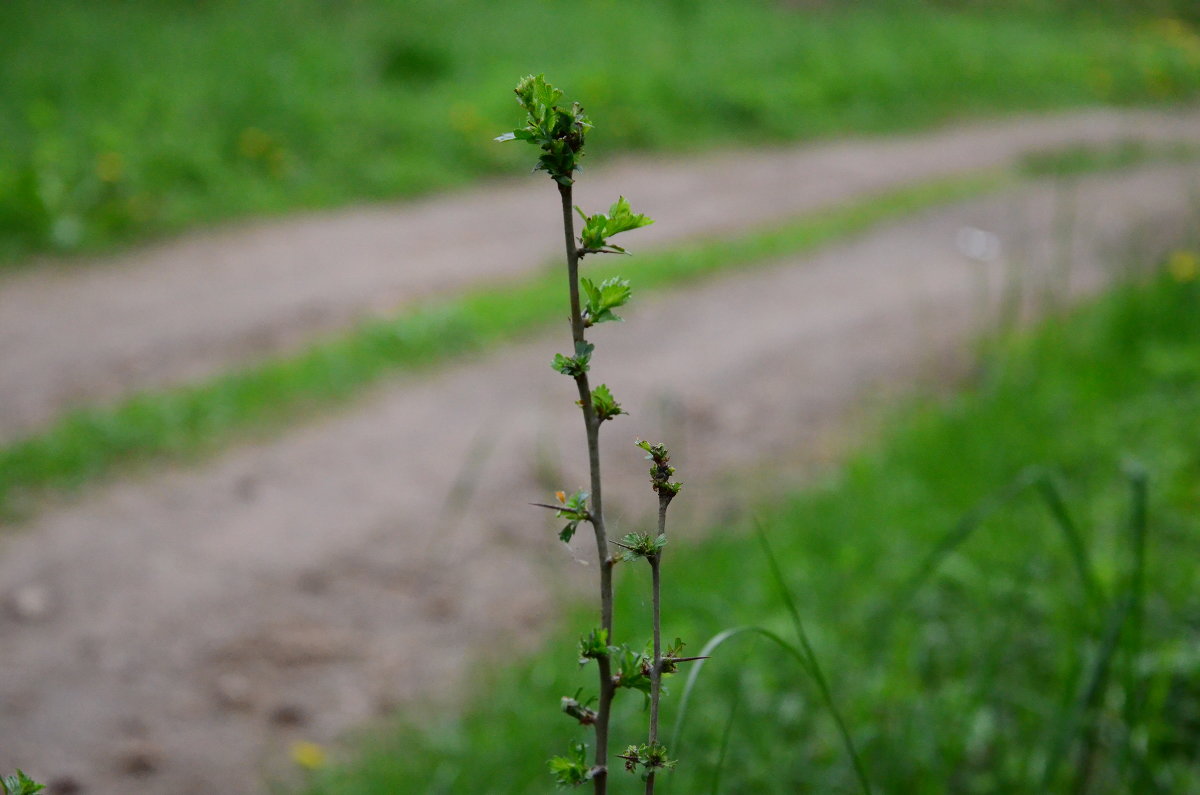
1084	159
136	119
1002	659
192	420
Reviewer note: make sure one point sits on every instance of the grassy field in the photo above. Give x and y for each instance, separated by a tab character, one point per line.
982	585
134	119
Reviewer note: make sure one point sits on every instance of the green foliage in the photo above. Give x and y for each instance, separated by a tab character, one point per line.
20	784
673	656
574	509
649	757
603	299
576	365
571	770
641	545
594	645
560	133
598	228
660	469
604	404
631	670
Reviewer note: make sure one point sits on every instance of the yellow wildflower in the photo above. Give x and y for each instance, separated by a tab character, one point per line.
1184	266
309	756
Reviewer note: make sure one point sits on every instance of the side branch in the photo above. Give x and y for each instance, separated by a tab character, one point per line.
656	669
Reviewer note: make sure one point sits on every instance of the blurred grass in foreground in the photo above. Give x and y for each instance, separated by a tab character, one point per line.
129	119
967	684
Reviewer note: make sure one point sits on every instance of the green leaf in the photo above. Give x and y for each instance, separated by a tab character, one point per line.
20	784
560	132
601	226
536	96
571	770
604	404
594	645
652	757
660	469
632	670
601	300
574	509
641	545
593	292
576	365
614	292
621	218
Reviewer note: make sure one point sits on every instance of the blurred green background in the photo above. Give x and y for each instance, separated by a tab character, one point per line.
131	119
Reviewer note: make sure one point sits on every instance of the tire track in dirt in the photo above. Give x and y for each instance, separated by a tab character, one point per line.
88	333
173	631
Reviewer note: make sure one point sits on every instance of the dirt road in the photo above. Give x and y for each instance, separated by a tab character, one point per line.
168	633
80	334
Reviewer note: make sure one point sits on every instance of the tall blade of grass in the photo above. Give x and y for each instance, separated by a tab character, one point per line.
1050	491
714	643
726	733
723	637
963	529
814	667
1079	714
1135	472
1082	718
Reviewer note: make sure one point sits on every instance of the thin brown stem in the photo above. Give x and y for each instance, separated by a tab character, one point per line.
592	426
656	666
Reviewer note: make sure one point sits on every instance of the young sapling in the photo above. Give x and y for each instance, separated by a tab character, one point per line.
560	131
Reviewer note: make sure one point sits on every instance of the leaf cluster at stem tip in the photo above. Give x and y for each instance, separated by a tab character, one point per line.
660	469
559	131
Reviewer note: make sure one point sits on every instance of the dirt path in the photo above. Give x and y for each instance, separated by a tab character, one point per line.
75	334
168	634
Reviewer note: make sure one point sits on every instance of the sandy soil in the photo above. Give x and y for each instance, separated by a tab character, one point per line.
72	334
169	633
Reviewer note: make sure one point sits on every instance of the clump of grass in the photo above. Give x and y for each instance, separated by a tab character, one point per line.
1007	668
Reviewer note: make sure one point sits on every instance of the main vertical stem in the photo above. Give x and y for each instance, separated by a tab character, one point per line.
656	666
592	425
